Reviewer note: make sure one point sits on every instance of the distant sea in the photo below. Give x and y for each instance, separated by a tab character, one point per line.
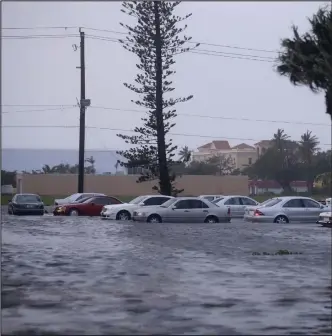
20	159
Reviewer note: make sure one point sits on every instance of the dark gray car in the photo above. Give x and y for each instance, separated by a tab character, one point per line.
26	204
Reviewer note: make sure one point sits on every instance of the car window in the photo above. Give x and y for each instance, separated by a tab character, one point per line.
98	200
233	201
247	201
196	204
209	198
217	200
308	203
113	200
155	201
294	203
183	204
27	198
137	200
169	203
270	203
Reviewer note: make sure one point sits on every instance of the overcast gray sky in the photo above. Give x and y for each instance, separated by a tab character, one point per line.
42	71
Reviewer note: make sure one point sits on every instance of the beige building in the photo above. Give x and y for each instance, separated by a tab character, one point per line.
243	155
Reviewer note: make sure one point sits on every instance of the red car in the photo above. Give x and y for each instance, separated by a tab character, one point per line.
91	206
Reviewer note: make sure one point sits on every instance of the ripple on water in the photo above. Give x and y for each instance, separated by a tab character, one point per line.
86	276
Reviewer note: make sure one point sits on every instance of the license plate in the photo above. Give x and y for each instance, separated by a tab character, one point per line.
29	206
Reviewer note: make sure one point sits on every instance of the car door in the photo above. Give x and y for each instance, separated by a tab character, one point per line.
234	203
198	210
313	210
96	204
246	201
179	212
295	210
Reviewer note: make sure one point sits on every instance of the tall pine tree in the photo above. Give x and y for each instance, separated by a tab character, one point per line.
155	39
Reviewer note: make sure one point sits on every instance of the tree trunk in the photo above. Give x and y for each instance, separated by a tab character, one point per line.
328	101
164	180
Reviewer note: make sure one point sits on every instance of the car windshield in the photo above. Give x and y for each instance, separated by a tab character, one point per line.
169	203
270	202
137	200
217	200
28	199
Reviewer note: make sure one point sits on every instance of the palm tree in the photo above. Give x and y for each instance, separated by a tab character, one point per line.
307	150
306	60
280	140
185	154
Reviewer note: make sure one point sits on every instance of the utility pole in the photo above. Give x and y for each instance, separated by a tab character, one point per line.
84	103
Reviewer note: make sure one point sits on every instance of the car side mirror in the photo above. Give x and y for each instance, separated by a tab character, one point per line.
173	208
141	204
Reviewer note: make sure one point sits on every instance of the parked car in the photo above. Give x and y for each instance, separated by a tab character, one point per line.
183	210
125	211
90	206
236	203
75	198
210	197
325	219
26	204
285	210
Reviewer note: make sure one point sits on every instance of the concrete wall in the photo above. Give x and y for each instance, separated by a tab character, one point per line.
61	185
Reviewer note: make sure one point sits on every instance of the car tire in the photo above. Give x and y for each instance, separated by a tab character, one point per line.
73	212
281	220
154	219
123	215
211	220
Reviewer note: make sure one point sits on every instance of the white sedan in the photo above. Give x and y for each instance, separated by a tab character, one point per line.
325	219
125	211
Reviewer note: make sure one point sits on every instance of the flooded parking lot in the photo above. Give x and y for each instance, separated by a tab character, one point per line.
87	276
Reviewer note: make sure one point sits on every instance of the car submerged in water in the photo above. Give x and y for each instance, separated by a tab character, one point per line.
285	210
184	210
26	204
325	218
125	211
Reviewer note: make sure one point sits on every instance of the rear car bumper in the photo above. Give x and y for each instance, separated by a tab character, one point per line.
258	219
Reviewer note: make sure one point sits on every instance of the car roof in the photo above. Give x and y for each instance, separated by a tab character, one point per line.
284	198
26	194
156	196
189	197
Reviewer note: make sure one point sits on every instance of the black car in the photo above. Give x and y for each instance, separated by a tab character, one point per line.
26	204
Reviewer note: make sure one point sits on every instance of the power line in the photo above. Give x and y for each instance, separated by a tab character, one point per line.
124	33
132	131
62	107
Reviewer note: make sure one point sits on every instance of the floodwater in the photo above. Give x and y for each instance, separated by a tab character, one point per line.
87	276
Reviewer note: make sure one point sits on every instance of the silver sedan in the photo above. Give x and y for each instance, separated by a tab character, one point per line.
183	210
285	210
236	203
